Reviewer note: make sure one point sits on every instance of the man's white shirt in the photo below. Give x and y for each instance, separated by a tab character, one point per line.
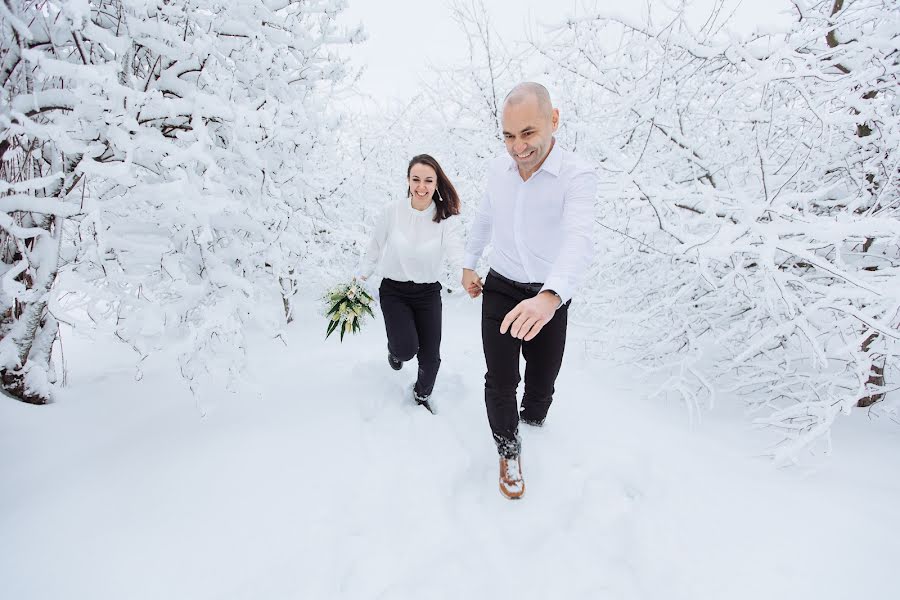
540	229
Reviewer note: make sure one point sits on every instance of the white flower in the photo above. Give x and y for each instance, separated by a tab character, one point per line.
347	306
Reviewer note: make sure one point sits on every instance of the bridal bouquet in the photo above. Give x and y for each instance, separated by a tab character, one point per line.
347	304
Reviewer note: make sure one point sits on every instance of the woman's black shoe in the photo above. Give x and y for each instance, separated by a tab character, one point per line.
423	401
395	364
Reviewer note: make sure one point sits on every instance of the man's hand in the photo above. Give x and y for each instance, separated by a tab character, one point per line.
471	282
527	319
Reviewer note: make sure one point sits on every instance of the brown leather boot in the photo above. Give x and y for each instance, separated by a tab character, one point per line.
511	483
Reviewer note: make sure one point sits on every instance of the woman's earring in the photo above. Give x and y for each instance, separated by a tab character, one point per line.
437	195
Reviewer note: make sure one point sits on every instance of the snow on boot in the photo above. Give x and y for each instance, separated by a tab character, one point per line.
512	485
532	422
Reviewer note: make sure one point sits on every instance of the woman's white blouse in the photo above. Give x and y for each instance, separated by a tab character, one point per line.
407	245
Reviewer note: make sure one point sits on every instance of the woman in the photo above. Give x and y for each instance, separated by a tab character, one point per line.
413	237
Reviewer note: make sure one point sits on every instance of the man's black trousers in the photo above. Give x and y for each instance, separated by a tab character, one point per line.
543	358
412	319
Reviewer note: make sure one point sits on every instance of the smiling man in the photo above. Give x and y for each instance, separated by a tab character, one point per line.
537	214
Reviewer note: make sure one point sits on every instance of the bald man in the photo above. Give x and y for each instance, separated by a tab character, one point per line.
537	213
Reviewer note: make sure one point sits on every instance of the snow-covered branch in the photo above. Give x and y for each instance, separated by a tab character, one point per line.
764	162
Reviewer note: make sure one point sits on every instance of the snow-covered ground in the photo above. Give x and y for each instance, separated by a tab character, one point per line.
318	478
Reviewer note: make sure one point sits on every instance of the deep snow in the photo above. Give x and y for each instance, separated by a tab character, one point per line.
318	478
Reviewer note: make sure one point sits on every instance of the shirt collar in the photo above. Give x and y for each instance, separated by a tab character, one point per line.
552	164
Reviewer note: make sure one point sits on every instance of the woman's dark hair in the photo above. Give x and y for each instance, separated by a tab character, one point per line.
446	200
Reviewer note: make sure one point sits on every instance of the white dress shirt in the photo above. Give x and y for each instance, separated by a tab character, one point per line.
539	229
407	245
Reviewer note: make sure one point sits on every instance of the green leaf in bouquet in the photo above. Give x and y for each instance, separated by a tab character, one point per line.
336	307
332	325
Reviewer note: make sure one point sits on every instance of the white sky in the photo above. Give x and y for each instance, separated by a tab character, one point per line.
406	36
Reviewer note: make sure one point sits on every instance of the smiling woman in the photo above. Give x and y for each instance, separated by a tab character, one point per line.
413	237
422	181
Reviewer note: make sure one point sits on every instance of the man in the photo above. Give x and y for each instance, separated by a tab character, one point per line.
537	213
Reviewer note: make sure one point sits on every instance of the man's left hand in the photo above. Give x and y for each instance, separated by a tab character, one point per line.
527	319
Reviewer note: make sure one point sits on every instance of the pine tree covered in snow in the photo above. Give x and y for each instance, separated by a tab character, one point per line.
163	164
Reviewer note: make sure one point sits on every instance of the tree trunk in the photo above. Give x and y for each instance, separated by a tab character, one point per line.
876	373
863	130
32	332
288	290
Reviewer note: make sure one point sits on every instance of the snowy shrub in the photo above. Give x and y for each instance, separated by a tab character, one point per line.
189	144
751	205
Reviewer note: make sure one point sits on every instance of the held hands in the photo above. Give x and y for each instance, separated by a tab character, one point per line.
471	282
527	319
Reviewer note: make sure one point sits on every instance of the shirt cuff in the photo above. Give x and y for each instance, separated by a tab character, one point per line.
560	287
365	269
471	261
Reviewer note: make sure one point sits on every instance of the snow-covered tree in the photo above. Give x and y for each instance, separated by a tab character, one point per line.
38	174
188	144
754	202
